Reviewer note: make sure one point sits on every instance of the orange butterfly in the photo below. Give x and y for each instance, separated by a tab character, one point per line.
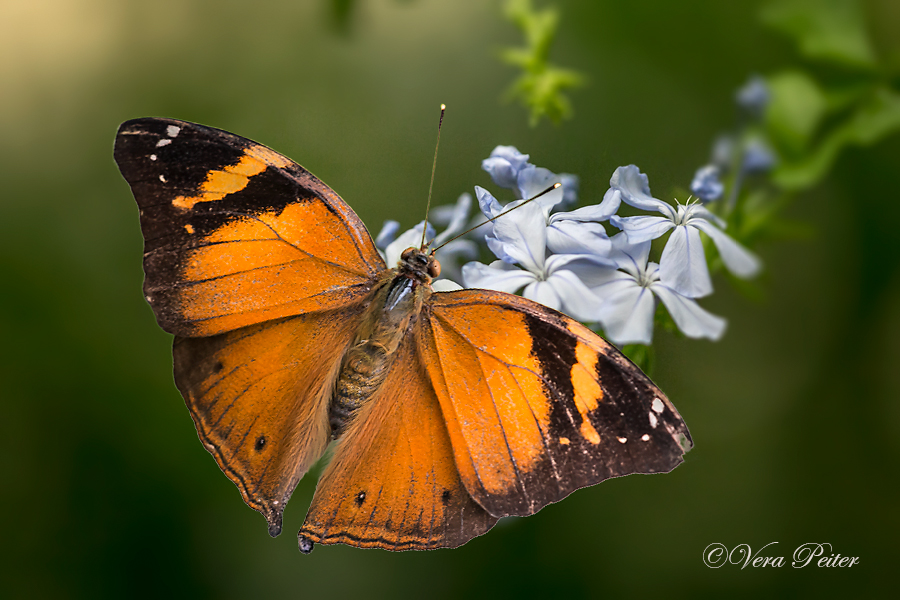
452	409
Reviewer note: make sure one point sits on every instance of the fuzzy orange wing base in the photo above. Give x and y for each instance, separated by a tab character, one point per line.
392	482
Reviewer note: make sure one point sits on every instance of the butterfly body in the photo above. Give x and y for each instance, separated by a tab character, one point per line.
451	409
395	306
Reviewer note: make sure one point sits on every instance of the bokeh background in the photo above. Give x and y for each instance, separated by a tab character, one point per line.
106	491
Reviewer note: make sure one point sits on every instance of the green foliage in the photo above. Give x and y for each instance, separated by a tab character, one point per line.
810	122
541	85
872	119
828	30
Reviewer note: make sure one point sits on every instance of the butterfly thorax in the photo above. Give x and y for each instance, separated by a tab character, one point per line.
396	304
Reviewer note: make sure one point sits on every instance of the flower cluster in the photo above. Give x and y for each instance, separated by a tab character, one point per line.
566	259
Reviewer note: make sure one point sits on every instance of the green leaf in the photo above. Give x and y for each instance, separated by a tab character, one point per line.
795	111
541	85
874	119
828	30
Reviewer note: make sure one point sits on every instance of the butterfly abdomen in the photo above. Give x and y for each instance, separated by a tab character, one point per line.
367	362
364	370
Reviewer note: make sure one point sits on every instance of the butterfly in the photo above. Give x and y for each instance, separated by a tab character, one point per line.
450	409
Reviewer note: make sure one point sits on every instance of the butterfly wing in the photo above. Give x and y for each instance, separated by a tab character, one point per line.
262	272
537	405
259	398
236	234
392	482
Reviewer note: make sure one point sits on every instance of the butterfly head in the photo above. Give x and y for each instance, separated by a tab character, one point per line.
419	264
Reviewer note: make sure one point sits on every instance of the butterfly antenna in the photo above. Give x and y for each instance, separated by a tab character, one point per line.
505	212
431	185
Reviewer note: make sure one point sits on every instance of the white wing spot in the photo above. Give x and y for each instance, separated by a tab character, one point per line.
152	157
645	437
657	405
652	420
162	178
163	142
172	130
622	440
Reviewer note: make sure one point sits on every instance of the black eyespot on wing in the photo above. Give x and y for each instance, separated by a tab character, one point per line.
260	443
360	498
445	497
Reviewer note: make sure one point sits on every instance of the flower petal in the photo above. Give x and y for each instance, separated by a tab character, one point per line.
595	212
698	211
691	319
458	219
445	285
683	263
534	180
642	228
570	185
572	237
608	282
577	300
543	292
496	276
387	234
487	203
628	255
758	157
498	248
451	255
523	234
737	259
627	316
706	184
504	165
635	188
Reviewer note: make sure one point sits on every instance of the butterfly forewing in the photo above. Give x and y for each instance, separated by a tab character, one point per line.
235	233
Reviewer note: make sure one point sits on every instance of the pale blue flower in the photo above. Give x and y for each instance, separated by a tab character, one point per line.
722	154
510	169
630	293
683	262
706	184
575	232
754	96
504	165
455	253
758	157
553	281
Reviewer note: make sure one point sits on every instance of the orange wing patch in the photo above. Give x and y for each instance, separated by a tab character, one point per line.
392	482
267	266
537	405
259	398
218	184
235	233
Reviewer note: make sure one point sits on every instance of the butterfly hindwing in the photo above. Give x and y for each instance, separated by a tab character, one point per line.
392	482
537	405
235	233
259	398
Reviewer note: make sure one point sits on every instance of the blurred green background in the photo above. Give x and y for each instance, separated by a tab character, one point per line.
106	489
